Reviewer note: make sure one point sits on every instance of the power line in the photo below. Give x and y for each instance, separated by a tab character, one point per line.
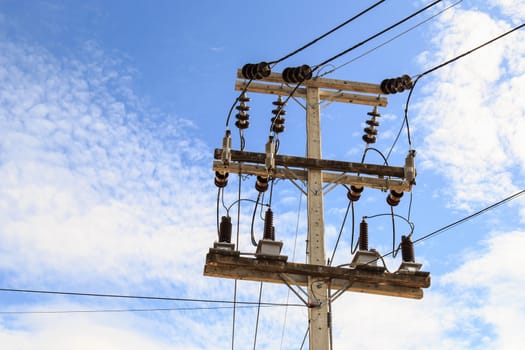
327	33
376	35
44	312
419	76
141	297
391	39
462	220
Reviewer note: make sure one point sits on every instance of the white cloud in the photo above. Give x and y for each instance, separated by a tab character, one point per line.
472	114
495	277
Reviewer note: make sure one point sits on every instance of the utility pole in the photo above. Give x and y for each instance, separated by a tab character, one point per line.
364	275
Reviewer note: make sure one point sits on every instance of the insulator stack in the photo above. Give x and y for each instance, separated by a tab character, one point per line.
243	117
256	70
363	235
407	249
395	85
297	74
261	184
225	229
279	112
269	230
370	130
354	193
221	179
394	198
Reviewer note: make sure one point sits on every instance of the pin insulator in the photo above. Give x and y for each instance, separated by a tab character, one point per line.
363	235
225	229
354	193
394	198
221	179
407	249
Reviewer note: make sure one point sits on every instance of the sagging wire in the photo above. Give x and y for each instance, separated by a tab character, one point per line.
419	76
353	248
390	40
254	242
395	249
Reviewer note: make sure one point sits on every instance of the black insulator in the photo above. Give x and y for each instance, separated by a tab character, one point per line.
395	85
354	193
372	122
261	184
244	98
278	124
394	198
242	117
371	131
256	70
278	120
221	179
363	235
407	249
369	138
297	74
225	229
269	232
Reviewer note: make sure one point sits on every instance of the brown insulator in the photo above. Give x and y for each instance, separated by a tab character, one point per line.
363	235
394	198
354	193
261	184
407	249
221	179
297	74
225	229
256	70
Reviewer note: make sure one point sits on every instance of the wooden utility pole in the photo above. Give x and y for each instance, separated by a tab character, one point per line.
315	275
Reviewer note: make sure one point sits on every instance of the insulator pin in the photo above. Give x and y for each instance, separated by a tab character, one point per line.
269	230
394	198
395	85
221	179
407	249
256	70
261	184
354	193
297	74
363	235
225	229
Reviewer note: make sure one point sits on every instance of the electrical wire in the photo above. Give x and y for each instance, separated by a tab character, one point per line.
293	259
419	76
139	297
254	242
390	40
54	312
462	220
327	33
257	319
342	53
305	336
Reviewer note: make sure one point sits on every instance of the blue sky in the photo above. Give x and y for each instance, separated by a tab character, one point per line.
109	114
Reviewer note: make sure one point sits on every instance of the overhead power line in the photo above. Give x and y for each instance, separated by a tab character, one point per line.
327	33
48	312
142	297
342	53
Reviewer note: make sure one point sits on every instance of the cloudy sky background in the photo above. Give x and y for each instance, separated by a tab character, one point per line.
109	114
